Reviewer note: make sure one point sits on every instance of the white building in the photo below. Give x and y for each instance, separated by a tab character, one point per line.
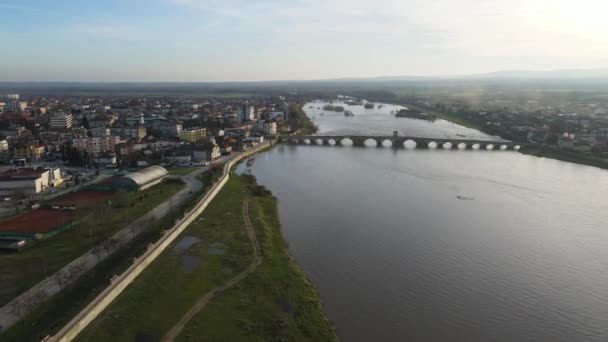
25	181
61	121
270	128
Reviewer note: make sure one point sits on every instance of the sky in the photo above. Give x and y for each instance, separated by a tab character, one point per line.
253	40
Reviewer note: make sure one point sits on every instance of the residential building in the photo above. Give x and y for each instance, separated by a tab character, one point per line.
193	135
4	150
106	160
96	145
61	121
130	132
101	132
29	151
208	153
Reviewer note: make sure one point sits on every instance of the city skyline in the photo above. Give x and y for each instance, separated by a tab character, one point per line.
210	41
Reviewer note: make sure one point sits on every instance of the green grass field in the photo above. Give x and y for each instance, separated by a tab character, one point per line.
22	270
182	171
154	302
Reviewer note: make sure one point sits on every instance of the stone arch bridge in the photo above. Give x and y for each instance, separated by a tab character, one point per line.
399	142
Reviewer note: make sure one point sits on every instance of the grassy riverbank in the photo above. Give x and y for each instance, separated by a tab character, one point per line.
300	121
275	302
218	250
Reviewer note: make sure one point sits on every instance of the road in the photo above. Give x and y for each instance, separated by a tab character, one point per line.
202	302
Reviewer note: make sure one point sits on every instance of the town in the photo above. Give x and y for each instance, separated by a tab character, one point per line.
61	142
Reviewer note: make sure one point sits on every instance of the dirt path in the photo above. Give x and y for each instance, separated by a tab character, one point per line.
202	302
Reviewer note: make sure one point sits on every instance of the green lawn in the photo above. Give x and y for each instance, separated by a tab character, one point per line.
182	171
20	271
155	301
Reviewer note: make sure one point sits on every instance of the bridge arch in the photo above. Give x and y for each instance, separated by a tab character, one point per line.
432	145
447	145
319	141
503	147
331	142
462	146
476	146
386	143
370	142
347	142
516	147
489	147
410	144
307	141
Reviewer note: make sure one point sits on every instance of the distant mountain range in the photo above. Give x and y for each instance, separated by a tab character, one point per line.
559	74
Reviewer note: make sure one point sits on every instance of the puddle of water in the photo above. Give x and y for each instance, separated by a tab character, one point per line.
184	244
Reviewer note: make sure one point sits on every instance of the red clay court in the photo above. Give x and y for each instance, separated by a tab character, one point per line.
83	199
38	221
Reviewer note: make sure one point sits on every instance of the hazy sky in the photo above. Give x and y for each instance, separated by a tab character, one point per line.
243	40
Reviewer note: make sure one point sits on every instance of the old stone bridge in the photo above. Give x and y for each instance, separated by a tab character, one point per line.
399	142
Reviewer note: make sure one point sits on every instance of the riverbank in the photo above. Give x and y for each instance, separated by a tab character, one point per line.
274	301
300	122
567	156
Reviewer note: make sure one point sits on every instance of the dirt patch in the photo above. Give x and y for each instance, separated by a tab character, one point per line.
37	221
84	199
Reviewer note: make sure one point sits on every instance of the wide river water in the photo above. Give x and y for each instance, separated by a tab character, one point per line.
397	256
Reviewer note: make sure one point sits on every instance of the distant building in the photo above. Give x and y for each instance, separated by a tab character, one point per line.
245	113
29	151
24	181
106	160
270	128
208	153
61	121
142	179
4	150
193	135
96	145
130	132
100	132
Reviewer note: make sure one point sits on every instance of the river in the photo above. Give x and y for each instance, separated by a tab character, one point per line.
397	256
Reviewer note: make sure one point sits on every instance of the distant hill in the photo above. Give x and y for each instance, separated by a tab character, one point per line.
559	74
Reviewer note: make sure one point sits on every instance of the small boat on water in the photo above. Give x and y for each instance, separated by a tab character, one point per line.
464	198
348	113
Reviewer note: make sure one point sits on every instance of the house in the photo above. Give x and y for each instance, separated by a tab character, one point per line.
207	153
